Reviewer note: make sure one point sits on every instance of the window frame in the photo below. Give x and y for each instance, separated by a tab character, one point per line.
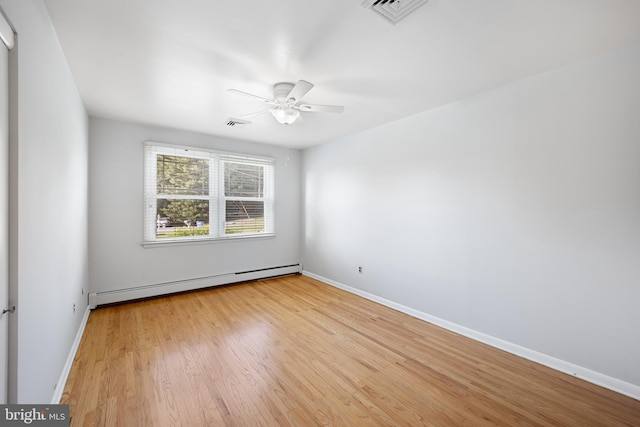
216	197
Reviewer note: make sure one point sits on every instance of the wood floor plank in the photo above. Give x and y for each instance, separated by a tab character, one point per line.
293	351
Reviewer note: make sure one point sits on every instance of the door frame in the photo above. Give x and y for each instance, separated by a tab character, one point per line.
7	325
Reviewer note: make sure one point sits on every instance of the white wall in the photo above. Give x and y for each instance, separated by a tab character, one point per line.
48	206
515	213
117	259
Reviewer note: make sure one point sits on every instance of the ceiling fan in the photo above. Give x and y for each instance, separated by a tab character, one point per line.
287	103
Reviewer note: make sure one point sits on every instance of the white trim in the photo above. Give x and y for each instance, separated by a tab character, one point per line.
6	32
158	289
611	383
170	148
188	241
64	375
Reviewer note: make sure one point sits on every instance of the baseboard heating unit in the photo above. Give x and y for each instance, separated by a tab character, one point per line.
158	289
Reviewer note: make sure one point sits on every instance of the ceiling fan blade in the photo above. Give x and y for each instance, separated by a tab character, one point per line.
299	90
321	108
257	113
268	101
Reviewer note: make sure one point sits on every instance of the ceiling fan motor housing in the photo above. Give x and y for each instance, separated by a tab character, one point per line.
281	91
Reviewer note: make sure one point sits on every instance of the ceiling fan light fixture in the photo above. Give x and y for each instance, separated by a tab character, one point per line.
285	116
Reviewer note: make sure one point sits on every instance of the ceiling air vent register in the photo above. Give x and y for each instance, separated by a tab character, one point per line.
393	10
237	122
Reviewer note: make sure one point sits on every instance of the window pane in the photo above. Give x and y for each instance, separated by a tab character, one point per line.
242	180
176	218
182	175
244	217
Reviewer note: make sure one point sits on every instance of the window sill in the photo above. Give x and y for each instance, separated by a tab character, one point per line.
182	242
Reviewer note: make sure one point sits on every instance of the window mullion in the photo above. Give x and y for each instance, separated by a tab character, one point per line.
222	199
214	229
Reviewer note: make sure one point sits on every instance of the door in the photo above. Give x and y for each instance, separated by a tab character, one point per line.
6	35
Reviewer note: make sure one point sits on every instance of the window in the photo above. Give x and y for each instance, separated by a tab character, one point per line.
197	194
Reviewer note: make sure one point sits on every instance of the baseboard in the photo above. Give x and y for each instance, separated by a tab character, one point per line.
158	289
62	381
593	377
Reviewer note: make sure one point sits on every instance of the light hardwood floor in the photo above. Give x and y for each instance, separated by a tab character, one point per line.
293	351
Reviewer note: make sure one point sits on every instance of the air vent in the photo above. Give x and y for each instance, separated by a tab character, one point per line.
237	122
393	10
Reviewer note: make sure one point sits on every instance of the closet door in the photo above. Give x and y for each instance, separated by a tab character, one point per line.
6	35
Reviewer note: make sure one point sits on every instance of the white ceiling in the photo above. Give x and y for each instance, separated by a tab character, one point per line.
170	62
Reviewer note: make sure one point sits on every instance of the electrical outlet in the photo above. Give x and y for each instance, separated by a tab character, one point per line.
74	307
360	269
